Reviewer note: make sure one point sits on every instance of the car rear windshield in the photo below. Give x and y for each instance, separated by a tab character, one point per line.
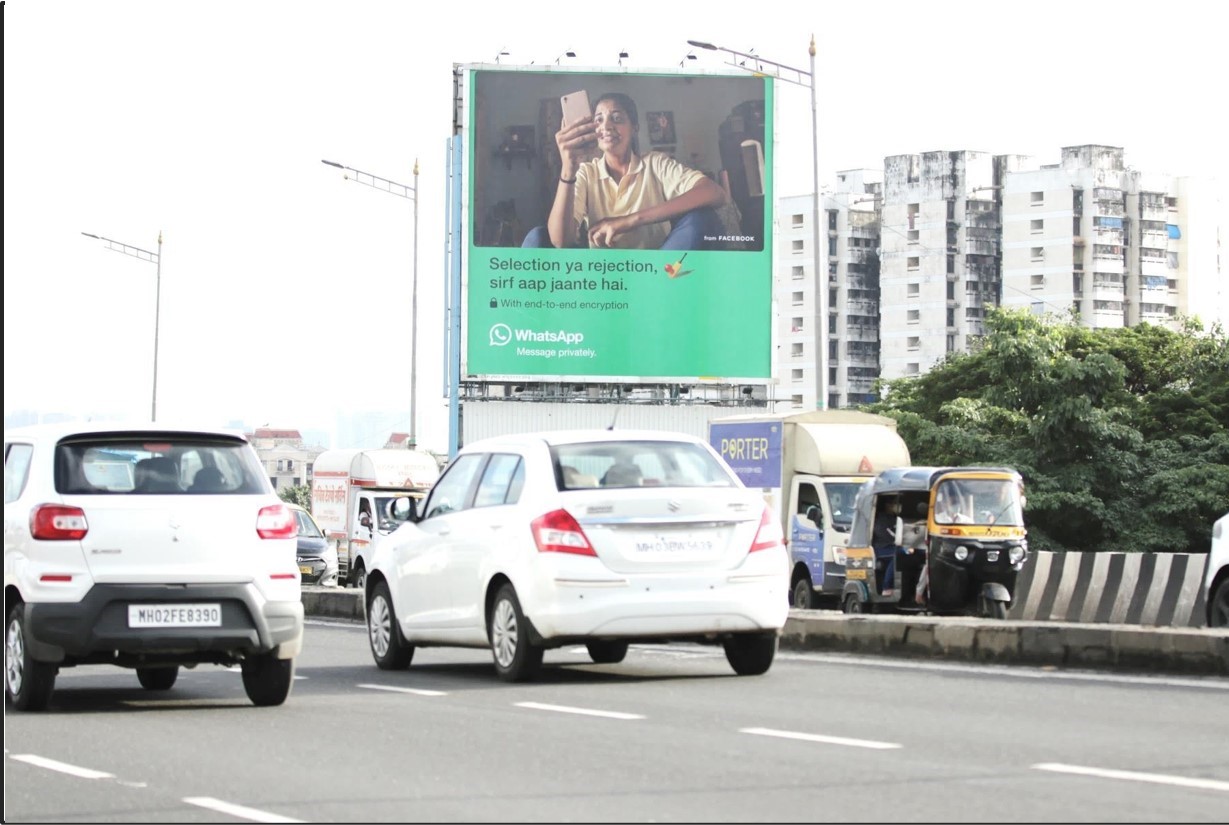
638	464
158	464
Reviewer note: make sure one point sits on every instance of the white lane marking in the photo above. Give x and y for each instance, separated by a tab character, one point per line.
608	714
237	810
415	691
62	767
1136	776
827	740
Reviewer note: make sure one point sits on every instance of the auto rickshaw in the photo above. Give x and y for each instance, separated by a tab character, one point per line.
943	540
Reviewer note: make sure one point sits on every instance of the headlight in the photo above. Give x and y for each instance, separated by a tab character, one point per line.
1016	555
838	555
961	553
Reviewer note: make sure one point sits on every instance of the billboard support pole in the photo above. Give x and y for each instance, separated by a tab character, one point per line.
453	312
755	64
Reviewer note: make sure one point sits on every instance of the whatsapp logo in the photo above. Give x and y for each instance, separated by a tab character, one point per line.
500	335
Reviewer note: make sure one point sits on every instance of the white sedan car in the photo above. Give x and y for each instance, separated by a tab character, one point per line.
601	538
1216	575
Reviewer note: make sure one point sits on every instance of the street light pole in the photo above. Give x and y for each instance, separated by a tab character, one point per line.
156	259
410	192
800	78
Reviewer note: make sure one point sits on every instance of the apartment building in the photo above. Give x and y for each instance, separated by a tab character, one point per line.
848	265
287	461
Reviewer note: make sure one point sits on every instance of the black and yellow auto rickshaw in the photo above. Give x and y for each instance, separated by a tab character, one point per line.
944	540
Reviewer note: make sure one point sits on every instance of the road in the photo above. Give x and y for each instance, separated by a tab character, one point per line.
669	735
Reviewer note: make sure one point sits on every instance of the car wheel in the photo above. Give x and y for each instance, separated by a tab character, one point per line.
804	594
852	604
1218	606
607	653
388	646
27	683
358	578
267	679
516	658
751	654
157	678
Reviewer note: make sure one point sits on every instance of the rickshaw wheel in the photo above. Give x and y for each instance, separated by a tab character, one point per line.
994	609
852	604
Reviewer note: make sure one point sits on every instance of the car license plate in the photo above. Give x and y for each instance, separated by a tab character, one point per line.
666	544
174	615
305	569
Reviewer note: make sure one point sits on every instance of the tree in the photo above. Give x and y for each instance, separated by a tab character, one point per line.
299	494
1121	435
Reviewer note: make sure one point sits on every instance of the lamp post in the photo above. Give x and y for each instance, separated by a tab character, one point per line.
156	259
799	78
410	192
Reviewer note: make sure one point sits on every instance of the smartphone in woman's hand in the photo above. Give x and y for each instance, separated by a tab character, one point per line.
575	107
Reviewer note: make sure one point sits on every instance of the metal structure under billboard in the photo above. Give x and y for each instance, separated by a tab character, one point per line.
695	314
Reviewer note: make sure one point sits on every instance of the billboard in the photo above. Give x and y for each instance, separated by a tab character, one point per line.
650	259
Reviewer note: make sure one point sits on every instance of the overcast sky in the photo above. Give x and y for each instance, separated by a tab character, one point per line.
285	289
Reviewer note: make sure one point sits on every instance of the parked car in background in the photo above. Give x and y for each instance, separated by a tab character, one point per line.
316	555
1216	576
149	547
601	538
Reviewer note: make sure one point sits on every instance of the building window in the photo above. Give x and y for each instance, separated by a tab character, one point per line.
913	316
797	273
1038	226
290	464
796	298
914	290
1037	281
1038	253
1037	198
796	375
796	246
281	465
914	263
795	324
912	368
796	220
796	400
1038	308
796	350
914	342
912	236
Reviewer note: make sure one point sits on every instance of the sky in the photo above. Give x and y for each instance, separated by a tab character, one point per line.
285	289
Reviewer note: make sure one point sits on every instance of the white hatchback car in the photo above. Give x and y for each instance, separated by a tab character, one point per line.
150	548
601	538
1216	575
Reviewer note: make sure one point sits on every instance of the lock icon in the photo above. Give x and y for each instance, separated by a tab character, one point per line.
494	304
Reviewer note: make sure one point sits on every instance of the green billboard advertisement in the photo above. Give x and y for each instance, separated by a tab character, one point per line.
619	226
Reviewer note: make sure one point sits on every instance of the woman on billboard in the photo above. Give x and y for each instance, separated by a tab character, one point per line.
623	199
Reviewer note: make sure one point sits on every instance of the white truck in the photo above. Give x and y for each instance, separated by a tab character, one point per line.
810	466
355	500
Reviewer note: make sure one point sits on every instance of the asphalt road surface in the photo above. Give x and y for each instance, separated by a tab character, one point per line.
669	735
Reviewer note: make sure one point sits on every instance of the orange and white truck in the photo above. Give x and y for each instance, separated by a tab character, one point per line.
346	484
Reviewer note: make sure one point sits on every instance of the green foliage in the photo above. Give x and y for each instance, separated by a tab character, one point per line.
1122	435
300	494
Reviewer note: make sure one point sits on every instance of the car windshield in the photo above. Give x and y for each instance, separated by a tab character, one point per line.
157	464
637	464
307	527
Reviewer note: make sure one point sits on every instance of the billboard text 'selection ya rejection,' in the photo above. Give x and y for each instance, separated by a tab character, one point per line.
570	271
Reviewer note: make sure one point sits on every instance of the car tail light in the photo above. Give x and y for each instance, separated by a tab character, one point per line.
276	522
558	532
769	535
55	522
